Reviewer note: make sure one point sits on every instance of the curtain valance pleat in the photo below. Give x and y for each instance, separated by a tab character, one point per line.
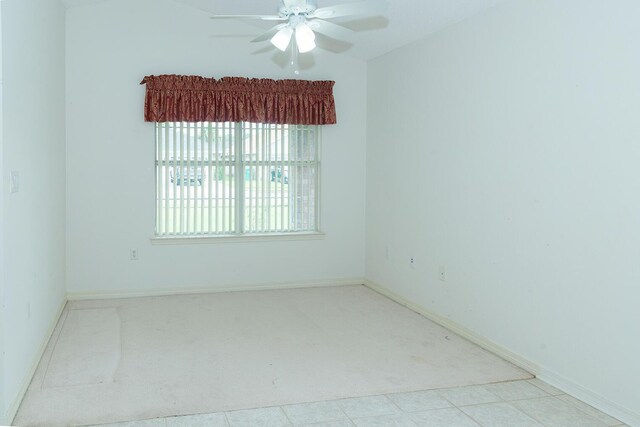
172	98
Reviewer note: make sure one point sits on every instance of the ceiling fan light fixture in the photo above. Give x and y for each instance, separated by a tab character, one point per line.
305	38
282	38
303	19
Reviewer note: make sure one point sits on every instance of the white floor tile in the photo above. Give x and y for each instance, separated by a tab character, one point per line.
272	417
499	415
472	395
450	417
371	406
545	387
318	412
419	401
553	412
590	410
398	420
345	423
157	422
201	420
515	390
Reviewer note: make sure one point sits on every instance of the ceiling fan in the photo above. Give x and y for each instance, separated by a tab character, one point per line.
302	18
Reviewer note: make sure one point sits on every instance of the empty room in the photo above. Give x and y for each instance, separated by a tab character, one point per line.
320	213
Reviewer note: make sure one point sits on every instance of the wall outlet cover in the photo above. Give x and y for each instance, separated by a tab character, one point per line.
14	181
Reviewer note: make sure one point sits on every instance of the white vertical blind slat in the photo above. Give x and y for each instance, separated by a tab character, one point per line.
248	155
280	180
187	179
179	180
158	182
167	179
209	177
269	157
309	189
261	177
202	178
293	181
223	190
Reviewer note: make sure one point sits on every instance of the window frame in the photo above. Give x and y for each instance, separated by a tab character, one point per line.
240	163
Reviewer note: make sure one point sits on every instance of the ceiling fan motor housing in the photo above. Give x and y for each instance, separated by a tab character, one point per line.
297	7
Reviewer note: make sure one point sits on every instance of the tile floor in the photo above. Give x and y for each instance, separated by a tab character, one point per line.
509	404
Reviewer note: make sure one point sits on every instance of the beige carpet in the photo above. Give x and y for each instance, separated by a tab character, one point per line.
128	359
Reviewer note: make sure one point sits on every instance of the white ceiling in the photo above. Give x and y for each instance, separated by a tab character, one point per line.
404	22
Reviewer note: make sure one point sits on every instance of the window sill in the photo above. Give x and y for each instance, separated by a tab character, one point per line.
236	239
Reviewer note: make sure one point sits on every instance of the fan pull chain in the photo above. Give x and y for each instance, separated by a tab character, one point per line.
294	59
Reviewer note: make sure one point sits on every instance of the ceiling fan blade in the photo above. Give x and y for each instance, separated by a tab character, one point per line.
261	17
330	29
269	34
332	45
366	7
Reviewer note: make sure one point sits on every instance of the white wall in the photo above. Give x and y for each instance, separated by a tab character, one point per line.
33	243
506	149
3	408
110	47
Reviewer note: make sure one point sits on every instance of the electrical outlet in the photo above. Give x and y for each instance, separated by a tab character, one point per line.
386	252
133	254
412	262
442	273
14	181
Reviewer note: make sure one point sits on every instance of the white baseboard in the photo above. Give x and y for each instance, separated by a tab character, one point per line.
623	414
603	404
105	294
458	329
13	409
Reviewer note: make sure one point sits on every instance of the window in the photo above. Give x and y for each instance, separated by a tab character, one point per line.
230	179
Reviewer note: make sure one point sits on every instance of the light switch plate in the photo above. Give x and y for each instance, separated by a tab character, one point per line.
14	181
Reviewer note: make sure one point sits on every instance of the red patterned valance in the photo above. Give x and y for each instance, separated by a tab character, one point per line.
172	98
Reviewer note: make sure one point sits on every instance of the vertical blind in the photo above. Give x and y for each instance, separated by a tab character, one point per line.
226	178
